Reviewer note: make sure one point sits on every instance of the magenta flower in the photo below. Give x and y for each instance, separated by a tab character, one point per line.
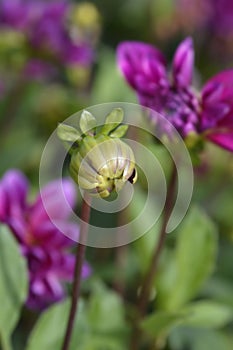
45	27
46	249
208	113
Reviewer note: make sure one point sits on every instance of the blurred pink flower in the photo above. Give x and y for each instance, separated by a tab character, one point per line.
46	249
208	113
46	29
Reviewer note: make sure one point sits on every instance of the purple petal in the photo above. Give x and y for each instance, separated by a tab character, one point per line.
13	190
77	54
56	201
47	235
224	140
142	65
217	99
37	69
14	13
183	63
44	291
16	186
3	204
64	267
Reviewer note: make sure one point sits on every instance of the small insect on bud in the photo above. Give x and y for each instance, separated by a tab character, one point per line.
100	162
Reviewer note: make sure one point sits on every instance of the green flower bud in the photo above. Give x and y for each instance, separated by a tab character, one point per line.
100	161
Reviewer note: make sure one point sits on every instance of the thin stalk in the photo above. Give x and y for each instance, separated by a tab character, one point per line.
150	275
151	272
80	255
120	265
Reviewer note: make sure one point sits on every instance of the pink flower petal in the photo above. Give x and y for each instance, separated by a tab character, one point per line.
223	140
56	201
142	65
183	63
218	91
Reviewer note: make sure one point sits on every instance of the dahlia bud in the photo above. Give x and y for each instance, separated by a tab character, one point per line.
100	161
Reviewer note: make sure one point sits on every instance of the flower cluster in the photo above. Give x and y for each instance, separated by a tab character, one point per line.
46	249
46	35
208	113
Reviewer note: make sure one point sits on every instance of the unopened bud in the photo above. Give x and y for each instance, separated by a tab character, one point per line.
100	162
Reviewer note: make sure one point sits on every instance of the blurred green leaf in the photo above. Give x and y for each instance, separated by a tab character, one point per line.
144	246
102	304
49	331
205	314
208	314
13	284
192	261
219	289
99	324
161	322
199	339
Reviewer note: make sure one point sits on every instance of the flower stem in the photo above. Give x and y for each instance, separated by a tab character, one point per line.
80	255
150	275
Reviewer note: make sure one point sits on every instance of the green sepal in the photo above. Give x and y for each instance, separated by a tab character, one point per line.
120	131
113	119
68	133
86	145
87	123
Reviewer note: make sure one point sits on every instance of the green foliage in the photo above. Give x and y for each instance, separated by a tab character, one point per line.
190	264
161	322
200	339
208	314
87	122
13	285
99	324
67	133
203	314
113	119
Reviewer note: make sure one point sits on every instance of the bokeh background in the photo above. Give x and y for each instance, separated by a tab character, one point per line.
58	59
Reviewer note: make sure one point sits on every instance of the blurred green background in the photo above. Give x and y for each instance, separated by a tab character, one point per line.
30	110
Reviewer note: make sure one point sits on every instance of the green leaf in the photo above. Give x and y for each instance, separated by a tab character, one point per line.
67	133
49	330
13	284
205	314
113	119
199	339
120	131
208	314
193	261
102	304
87	122
93	328
161	322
